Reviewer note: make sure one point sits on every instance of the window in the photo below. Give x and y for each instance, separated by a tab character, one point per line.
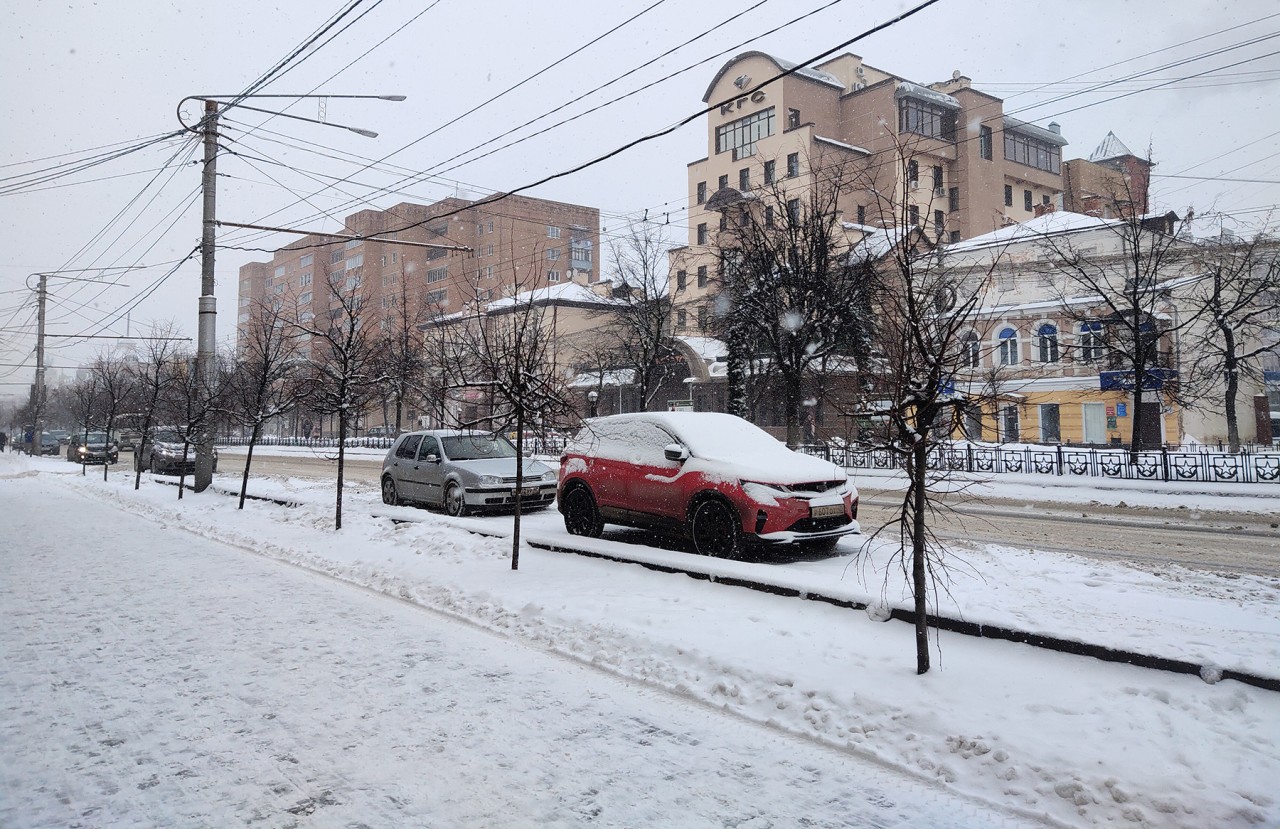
305	261
553	254
438	274
927	119
682	319
553	232
702	276
682	280
793	165
394	257
955	236
382	260
437	297
938	219
1048	343
937	179
436	253
953	199
768	215
744	178
724	221
769	167
793	211
702	192
741	136
1050	423
279	271
913	172
580	251
1008	195
702	316
913	215
305	279
793	118
1026	201
723	182
1008	350
553	276
971	351
702	233
1090	342
485	273
355	261
336	255
352	243
984	143
440	229
1023	149
862	214
305	299
1044	200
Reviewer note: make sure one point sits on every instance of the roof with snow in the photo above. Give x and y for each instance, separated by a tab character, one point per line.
1111	147
564	292
1050	224
924	93
816	75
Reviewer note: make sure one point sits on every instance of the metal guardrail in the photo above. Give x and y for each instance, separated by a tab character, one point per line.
1199	464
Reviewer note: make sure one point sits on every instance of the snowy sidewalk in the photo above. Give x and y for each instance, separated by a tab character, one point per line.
155	679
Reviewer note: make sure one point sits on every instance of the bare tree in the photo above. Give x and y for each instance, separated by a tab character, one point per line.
505	349
343	371
1235	301
117	390
265	381
635	321
190	402
791	291
85	404
153	376
401	353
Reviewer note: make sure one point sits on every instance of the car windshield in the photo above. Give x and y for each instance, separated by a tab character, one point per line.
168	436
475	447
96	437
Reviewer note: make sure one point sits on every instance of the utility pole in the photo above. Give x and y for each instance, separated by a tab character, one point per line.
206	333
37	389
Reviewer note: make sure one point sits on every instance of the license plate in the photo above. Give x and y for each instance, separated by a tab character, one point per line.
827	511
527	493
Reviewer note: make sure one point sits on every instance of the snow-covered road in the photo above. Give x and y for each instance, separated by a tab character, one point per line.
153	679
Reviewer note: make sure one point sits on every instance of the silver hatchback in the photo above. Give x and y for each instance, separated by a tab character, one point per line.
463	472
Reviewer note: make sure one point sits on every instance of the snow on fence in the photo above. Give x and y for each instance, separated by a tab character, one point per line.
1191	464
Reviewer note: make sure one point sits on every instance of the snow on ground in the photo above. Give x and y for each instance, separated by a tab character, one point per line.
1075	741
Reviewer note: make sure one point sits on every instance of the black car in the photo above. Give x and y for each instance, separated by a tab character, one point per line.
92	447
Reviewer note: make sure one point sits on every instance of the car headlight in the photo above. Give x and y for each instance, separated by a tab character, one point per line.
83	449
765	493
490	480
549	475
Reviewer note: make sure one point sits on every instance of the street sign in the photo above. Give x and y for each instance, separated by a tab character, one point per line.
1122	410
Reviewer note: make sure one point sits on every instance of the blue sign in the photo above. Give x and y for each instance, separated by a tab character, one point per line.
1122	410
1123	380
1271	378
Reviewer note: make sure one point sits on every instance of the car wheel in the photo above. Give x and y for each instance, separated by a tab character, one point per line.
454	502
580	514
715	531
389	494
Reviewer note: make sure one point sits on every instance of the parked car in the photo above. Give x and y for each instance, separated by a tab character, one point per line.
463	472
380	432
716	477
91	447
128	440
164	454
62	435
48	444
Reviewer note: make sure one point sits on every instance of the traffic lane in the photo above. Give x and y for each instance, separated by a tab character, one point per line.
225	688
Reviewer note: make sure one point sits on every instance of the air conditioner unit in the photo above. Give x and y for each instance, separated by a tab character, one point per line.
913	185
859	85
939	191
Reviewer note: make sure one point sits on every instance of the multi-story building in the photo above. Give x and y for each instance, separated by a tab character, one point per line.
484	251
942	156
463	251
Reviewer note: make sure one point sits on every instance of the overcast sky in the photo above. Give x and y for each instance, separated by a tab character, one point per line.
81	75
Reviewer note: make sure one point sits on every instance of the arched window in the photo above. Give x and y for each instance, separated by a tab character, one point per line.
1048	342
1090	349
1008	351
970	351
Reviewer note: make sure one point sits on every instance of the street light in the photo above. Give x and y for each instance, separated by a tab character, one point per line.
592	397
208	304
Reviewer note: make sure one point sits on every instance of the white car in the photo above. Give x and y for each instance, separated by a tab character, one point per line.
463	472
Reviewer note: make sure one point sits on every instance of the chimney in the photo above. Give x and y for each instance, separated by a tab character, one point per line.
1055	127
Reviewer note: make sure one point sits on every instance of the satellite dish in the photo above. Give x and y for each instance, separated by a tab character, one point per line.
955	76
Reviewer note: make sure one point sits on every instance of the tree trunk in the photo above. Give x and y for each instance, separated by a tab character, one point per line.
1230	365
793	411
248	461
919	578
515	526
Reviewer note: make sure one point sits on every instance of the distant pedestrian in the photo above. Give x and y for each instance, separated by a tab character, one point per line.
4	439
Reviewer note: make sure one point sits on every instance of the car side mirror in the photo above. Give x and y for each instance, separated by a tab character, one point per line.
675	452
432	457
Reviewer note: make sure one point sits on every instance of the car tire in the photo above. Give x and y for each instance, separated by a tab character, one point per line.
390	496
714	529
581	517
455	502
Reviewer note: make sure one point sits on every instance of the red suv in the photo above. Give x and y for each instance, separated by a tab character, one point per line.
717	476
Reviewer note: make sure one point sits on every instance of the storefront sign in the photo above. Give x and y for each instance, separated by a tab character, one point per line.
1111	423
728	107
1111	411
1122	410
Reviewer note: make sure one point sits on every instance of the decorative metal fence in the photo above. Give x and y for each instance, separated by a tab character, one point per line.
312	443
1198	464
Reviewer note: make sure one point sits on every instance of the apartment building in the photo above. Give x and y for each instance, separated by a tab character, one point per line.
942	156
464	251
